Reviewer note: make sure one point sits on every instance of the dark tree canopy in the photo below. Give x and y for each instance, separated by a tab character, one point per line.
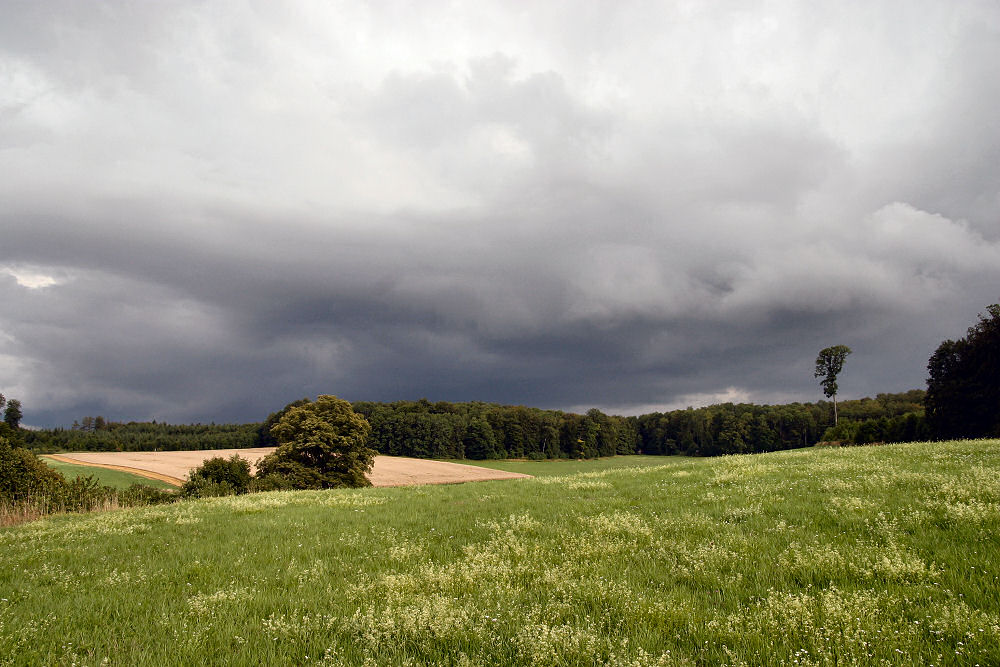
479	441
12	415
963	389
321	445
829	363
265	437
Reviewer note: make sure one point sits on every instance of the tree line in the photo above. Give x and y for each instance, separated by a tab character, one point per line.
962	399
963	390
478	430
487	430
100	435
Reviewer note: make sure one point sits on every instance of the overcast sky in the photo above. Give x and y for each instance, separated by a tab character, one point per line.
210	209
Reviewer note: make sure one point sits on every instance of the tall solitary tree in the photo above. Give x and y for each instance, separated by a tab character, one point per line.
829	363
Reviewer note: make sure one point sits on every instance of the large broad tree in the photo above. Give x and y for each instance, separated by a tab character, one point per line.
321	445
264	436
829	363
963	390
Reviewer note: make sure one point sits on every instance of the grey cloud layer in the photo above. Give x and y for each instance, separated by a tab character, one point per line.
631	205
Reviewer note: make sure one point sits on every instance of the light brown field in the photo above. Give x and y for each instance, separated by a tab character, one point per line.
173	467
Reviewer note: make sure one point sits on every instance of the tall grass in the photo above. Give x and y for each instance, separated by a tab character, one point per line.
80	495
881	556
549	467
31	509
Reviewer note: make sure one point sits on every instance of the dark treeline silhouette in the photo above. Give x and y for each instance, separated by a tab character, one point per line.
487	431
744	428
477	430
140	437
963	390
886	418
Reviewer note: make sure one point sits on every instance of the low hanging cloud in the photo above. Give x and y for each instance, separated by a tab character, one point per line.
209	211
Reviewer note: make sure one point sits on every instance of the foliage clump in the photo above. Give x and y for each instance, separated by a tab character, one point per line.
479	441
23	475
963	390
30	489
219	476
321	445
264	436
829	363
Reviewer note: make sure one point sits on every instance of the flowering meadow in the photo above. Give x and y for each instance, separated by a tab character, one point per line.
862	556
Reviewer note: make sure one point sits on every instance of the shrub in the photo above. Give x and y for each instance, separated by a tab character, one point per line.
140	495
84	494
23	476
219	477
271	482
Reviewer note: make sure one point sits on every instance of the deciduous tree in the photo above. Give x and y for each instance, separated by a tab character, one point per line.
829	363
12	415
963	390
479	441
321	445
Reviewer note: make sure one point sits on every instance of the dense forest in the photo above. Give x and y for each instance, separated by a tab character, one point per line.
95	434
962	400
487	430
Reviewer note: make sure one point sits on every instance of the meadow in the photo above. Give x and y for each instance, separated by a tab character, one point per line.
548	467
871	556
116	479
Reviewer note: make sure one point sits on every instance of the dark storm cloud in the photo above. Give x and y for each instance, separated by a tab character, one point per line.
210	211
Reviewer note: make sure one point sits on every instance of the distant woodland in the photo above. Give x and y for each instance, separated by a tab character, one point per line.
487	430
962	401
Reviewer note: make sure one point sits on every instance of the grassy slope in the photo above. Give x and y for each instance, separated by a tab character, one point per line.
885	555
568	466
114	478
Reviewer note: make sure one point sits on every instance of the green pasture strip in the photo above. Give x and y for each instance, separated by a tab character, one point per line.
854	556
117	479
571	466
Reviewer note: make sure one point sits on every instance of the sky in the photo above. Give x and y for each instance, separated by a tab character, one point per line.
208	210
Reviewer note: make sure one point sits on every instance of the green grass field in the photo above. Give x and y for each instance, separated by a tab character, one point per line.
568	467
862	556
116	479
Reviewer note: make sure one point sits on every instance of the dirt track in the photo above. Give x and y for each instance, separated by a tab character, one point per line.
173	467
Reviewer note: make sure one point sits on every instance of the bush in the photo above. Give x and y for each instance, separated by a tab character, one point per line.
844	431
219	477
271	482
24	476
910	427
140	495
84	494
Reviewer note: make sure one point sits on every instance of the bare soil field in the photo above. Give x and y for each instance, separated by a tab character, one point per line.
173	467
